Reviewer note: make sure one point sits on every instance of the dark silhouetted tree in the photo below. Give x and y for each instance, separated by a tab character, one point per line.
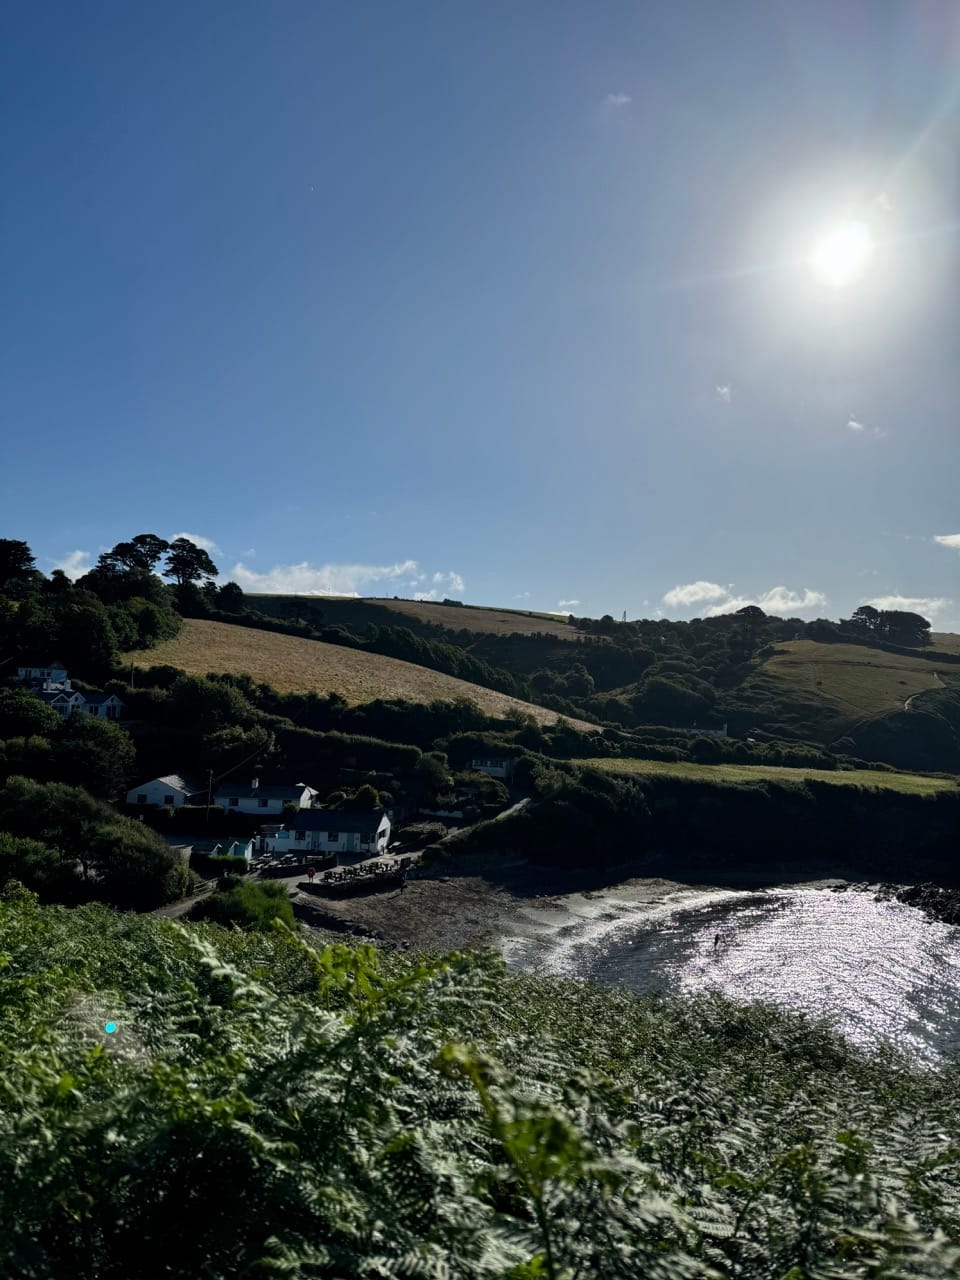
186	562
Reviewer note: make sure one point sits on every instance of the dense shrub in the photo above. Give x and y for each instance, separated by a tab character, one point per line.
260	1106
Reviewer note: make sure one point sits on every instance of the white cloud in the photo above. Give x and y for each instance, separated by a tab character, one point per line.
854	425
618	99
778	600
566	604
250	551
306	579
724	392
445	583
523	595
198	540
931	605
453	581
948	540
694	593
74	564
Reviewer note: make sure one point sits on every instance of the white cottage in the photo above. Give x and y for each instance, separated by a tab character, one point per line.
173	791
352	833
265	799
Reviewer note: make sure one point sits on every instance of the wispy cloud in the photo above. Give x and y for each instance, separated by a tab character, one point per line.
617	100
861	428
199	540
948	540
306	579
724	392
931	605
566	604
445	583
694	593
522	595
74	564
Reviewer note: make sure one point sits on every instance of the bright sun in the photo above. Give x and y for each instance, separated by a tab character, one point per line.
842	255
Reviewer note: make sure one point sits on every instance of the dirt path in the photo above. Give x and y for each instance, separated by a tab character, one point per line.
938	683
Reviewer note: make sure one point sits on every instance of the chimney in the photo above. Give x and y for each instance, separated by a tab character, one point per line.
255	783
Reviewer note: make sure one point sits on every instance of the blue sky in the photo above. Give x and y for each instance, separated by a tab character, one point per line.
511	302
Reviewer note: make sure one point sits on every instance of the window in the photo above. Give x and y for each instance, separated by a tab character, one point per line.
333	835
142	798
264	804
168	800
233	802
300	835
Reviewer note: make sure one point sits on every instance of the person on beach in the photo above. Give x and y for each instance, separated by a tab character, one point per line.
311	872
716	941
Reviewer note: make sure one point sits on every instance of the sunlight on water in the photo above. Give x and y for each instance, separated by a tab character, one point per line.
880	970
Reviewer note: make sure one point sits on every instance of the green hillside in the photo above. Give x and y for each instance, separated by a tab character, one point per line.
873	780
845	683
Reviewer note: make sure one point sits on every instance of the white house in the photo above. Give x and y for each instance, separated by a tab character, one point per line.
52	686
105	705
257	797
172	791
46	675
493	766
360	833
64	701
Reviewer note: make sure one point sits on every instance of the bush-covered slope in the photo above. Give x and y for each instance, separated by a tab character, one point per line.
180	1101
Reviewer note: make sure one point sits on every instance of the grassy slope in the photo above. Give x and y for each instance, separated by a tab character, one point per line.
349	612
911	783
292	665
849	682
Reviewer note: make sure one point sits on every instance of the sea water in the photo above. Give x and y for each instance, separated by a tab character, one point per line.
879	970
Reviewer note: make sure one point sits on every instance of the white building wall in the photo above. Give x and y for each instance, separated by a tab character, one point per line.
158	793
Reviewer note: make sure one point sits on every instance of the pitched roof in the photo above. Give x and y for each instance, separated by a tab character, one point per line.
284	791
177	782
360	821
99	698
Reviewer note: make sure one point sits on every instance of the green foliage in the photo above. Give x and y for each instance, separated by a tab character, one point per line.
22	714
94	852
264	1106
186	562
254	905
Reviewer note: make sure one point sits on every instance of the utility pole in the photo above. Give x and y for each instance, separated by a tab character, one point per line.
206	819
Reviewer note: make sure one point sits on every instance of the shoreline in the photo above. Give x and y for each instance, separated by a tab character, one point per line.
476	900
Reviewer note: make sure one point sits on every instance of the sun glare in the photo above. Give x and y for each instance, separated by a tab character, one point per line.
842	255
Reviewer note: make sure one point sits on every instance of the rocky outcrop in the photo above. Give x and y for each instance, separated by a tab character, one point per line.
933	900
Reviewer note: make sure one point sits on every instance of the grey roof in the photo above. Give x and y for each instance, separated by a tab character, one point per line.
361	821
52	695
178	782
284	791
98	698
